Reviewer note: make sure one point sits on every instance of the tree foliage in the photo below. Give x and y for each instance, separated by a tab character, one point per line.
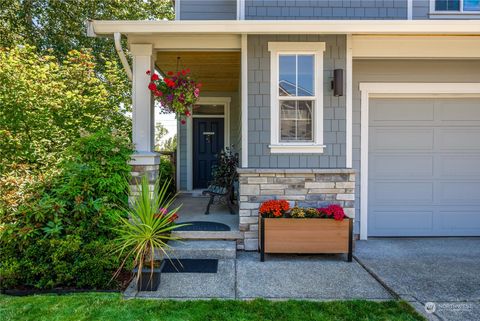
46	105
60	24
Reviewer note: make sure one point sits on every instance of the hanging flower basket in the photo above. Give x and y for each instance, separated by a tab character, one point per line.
176	92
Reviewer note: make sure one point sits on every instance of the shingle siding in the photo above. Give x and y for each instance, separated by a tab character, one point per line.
325	9
421	9
208	9
259	155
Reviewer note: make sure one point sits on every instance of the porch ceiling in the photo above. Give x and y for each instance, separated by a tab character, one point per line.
217	71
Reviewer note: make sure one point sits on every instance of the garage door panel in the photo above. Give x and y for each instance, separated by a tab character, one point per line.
387	192
466	109
460	192
394	223
460	221
459	166
399	110
424	174
458	138
388	138
401	166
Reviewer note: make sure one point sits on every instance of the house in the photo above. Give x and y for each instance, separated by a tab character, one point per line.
374	105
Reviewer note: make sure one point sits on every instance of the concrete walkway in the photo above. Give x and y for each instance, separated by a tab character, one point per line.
321	277
444	271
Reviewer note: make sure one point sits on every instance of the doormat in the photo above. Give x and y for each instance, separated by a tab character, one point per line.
203	226
190	266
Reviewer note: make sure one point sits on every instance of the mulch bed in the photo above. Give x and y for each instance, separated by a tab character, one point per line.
123	279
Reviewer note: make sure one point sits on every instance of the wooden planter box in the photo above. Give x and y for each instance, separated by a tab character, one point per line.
308	235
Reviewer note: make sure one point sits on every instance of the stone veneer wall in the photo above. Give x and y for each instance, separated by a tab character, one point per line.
307	187
138	171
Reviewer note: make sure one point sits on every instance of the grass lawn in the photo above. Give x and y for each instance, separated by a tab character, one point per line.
110	306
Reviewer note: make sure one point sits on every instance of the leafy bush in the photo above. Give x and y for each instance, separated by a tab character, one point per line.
60	233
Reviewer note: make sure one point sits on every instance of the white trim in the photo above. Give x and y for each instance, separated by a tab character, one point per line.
409	9
240	9
244	100
178	157
349	104
225	101
424	47
276	49
138	27
177	10
397	90
297	148
189	42
189	138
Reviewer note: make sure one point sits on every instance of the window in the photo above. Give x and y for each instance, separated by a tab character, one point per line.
457	6
296	97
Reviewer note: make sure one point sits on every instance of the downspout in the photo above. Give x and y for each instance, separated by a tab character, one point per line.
117	36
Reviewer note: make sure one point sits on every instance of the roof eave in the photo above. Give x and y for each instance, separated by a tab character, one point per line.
407	27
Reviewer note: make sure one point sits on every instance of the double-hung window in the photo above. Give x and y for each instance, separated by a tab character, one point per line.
455	7
296	97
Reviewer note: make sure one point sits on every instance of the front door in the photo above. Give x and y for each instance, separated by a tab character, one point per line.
208	141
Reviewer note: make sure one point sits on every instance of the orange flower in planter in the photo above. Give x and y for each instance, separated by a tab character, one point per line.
274	208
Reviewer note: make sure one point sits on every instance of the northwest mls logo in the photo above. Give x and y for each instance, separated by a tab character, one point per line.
430	307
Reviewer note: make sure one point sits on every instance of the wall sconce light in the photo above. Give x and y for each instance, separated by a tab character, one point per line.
337	82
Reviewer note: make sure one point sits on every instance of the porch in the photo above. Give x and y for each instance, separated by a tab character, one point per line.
192	209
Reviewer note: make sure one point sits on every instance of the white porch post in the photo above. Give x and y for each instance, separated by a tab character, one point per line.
144	160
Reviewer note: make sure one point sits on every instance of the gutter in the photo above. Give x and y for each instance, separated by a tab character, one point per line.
117	37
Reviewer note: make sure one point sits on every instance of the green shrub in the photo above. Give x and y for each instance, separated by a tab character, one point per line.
60	234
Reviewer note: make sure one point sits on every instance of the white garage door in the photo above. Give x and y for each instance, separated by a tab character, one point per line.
424	167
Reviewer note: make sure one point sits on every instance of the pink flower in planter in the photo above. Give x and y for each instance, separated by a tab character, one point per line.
196	92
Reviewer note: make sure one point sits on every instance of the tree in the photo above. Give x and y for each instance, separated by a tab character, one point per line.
170	144
60	24
46	105
160	132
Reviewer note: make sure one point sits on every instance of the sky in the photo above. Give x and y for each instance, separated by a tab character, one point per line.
168	121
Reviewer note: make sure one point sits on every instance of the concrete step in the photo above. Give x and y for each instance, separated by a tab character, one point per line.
208	235
200	249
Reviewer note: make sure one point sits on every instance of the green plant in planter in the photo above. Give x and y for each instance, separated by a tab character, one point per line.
146	226
225	172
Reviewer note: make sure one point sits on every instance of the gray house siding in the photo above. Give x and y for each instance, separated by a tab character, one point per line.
324	9
208	9
421	9
259	155
402	71
235	133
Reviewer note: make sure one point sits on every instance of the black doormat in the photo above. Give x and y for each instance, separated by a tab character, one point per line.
190	266
203	226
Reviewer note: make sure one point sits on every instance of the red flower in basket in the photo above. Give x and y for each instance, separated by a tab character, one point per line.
274	208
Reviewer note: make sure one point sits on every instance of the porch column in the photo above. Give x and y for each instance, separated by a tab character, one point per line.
144	160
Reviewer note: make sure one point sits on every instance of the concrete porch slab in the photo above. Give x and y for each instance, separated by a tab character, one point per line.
445	271
193	209
320	277
219	285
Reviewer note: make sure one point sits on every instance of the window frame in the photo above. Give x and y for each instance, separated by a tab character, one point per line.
451	13
316	49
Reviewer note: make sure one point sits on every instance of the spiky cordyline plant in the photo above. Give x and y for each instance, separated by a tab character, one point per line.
146	226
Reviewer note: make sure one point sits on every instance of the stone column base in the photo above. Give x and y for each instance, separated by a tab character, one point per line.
144	164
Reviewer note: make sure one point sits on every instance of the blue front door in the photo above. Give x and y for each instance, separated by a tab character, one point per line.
208	141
